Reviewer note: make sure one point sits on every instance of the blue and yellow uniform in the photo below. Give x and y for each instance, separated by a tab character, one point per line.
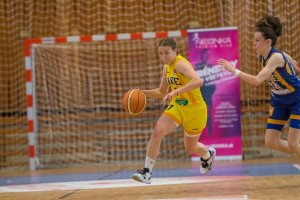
187	109
285	94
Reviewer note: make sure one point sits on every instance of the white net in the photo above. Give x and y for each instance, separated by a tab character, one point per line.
79	89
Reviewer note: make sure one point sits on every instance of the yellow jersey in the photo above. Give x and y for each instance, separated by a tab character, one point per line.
176	80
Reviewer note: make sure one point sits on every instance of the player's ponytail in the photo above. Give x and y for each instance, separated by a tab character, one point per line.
270	27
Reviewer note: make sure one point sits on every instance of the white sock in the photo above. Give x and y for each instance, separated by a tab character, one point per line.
149	163
206	156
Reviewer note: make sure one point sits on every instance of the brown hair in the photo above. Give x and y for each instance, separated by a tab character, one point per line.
168	42
270	27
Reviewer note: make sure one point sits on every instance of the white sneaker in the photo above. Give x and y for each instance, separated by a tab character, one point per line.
143	176
207	164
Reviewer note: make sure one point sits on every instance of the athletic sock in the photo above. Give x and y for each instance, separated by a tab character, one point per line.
206	156
149	163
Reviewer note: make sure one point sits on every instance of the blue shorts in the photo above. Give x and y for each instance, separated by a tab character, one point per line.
279	115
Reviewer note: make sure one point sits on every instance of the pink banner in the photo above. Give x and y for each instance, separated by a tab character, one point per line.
221	89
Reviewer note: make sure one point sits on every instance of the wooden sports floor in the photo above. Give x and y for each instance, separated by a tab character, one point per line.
261	179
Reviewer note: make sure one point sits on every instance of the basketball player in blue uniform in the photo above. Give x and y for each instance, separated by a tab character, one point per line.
278	71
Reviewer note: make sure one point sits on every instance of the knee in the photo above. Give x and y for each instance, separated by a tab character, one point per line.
270	142
157	133
293	146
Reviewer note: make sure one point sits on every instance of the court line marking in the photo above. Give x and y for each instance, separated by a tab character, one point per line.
296	166
236	197
121	183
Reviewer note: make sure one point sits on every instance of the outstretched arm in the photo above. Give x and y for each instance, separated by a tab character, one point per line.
275	61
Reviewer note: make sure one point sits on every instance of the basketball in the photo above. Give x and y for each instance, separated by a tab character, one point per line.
134	101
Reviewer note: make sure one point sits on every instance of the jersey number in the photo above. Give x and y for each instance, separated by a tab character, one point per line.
170	106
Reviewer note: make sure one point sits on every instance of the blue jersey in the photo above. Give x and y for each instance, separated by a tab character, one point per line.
283	82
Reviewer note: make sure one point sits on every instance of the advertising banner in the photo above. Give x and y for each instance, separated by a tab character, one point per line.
221	89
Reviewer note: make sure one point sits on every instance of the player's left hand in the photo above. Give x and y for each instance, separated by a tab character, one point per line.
168	97
226	65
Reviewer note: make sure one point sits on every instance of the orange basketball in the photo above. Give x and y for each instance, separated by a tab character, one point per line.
134	101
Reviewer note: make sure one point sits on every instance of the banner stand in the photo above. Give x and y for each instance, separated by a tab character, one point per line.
220	90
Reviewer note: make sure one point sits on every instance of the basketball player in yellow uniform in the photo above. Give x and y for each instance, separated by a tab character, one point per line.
186	108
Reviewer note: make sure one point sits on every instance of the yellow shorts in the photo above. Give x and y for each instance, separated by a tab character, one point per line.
192	117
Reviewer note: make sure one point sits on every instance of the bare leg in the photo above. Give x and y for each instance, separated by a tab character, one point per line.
192	145
293	141
273	141
163	126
